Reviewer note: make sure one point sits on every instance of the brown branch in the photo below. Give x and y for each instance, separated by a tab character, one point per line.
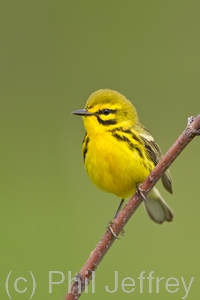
83	278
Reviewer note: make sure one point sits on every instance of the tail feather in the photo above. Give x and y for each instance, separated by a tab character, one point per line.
157	208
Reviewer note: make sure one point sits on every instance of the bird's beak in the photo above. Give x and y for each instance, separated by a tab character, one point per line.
82	112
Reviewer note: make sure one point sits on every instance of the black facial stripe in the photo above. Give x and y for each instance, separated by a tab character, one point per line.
106	122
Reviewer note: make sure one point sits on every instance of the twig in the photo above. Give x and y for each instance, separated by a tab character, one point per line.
83	278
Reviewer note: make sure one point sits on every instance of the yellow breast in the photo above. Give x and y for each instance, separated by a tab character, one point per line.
113	165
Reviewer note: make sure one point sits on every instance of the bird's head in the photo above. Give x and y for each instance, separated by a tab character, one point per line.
107	109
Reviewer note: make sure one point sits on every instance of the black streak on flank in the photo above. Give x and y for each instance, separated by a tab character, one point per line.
124	139
136	138
106	122
128	131
85	141
139	152
131	145
145	166
116	129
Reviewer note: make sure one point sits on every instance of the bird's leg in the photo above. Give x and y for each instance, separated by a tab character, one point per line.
116	214
140	191
119	208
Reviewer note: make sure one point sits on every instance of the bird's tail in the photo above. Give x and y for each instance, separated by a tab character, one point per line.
157	208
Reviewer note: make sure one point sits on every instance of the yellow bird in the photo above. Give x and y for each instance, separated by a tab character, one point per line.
119	152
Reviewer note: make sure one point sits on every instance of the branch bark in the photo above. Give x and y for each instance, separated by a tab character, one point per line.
83	278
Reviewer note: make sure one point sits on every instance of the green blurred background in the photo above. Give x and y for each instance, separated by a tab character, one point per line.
54	54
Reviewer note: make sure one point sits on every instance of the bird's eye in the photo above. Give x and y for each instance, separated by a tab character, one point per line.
106	111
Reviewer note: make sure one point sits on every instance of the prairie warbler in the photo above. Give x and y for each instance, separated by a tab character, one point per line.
119	152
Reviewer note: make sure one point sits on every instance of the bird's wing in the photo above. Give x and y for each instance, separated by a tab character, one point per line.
155	154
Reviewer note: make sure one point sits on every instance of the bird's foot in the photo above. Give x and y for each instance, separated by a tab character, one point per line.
109	226
140	191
